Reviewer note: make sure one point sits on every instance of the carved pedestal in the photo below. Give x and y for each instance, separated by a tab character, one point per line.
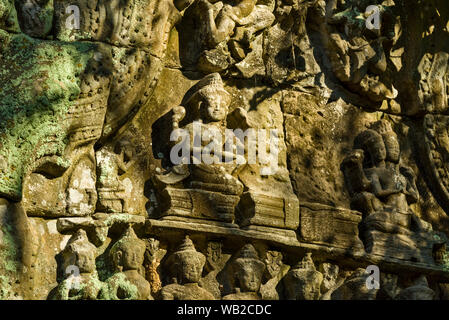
110	200
322	224
396	235
416	247
198	204
259	210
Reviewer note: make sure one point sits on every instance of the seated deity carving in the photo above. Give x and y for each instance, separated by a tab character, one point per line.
202	183
111	164
383	188
228	169
187	265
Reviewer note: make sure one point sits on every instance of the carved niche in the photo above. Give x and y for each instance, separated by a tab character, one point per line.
213	180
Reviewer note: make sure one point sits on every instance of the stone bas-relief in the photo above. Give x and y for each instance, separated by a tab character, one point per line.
216	166
78	261
187	264
98	199
383	190
361	57
213	188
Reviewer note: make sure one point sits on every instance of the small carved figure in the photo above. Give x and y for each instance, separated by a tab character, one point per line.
247	270
153	256
303	281
392	184
358	55
78	258
275	272
227	22
111	164
331	279
127	256
215	261
188	265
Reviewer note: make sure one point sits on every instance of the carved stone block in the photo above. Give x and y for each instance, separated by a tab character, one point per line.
417	247
331	226
258	209
198	204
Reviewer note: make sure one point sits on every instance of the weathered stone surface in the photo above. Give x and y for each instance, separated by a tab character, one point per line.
303	281
236	150
329	225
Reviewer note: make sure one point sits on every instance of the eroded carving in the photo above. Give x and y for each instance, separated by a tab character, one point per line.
127	256
247	271
228	34
382	188
83	84
187	266
303	281
211	189
360	56
78	264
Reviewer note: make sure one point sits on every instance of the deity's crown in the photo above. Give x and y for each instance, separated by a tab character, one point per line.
209	85
129	240
249	255
305	263
365	138
382	127
79	243
187	250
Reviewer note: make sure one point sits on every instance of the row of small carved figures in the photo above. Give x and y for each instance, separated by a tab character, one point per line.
136	274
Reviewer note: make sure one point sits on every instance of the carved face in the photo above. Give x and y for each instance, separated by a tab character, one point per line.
295	289
84	260
133	258
191	269
299	289
249	278
377	151
215	107
393	148
129	258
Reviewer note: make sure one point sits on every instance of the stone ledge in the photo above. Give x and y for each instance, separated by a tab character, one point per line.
350	257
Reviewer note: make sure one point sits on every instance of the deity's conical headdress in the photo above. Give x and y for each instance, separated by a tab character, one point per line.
79	243
210	85
248	256
187	251
128	241
382	127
